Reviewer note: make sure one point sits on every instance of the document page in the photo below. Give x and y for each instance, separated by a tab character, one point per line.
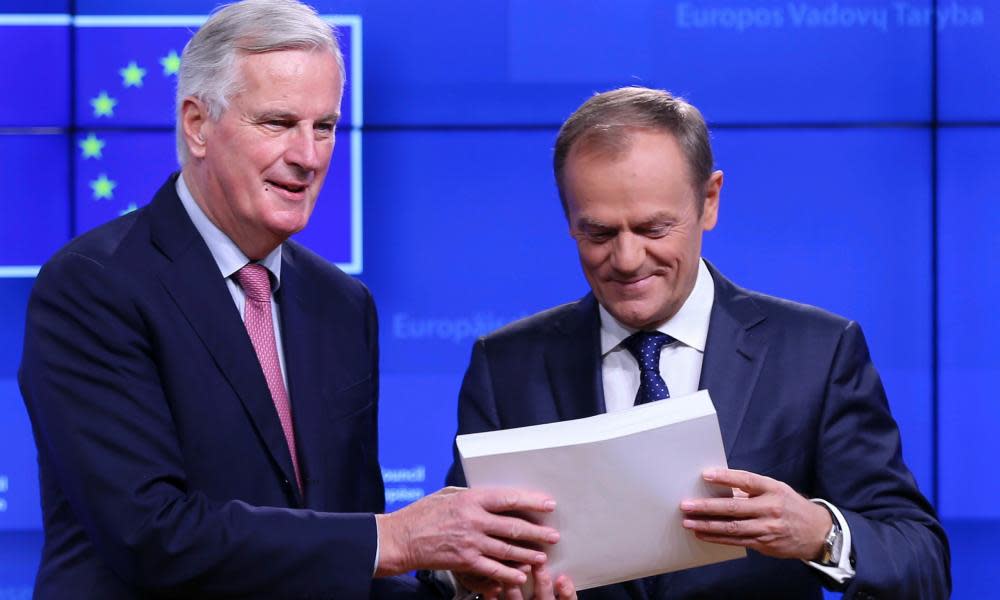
618	480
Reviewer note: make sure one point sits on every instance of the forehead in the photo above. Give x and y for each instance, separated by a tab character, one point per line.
648	175
623	144
291	75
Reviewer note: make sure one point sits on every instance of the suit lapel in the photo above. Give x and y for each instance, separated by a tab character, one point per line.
193	280
304	364
573	362
734	355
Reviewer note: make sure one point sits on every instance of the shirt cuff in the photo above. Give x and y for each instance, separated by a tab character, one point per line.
843	571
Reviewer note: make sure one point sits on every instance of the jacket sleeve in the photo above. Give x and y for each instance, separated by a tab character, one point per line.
900	549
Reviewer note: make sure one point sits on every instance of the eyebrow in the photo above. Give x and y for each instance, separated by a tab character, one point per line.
592	223
655	218
288	116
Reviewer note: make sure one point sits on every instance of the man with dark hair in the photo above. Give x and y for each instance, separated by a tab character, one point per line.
203	391
821	494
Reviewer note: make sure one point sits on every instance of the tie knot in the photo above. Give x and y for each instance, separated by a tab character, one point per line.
255	281
645	346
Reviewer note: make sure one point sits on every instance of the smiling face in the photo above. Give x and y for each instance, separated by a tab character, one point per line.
257	170
634	215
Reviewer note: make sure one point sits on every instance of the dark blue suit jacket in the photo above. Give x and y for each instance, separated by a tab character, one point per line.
163	467
798	399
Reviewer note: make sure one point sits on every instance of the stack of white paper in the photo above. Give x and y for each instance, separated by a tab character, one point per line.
618	480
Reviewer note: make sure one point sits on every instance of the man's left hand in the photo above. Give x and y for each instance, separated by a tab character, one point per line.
764	514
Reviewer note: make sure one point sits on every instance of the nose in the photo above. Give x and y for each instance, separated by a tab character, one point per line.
627	253
303	149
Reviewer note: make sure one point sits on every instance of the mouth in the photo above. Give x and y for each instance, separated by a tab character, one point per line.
634	285
289	189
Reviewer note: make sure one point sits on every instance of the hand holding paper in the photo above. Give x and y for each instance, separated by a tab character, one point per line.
619	479
765	515
466	530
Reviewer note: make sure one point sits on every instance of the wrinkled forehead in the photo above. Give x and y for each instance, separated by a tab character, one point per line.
275	71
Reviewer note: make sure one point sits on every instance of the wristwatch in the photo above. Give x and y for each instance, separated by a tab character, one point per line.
833	545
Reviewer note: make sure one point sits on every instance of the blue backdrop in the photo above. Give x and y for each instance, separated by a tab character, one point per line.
859	141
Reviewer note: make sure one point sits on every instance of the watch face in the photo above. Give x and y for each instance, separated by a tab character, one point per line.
837	546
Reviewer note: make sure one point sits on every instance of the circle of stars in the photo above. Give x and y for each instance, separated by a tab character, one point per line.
92	147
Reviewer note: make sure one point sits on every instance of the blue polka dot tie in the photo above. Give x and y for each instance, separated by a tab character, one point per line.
645	346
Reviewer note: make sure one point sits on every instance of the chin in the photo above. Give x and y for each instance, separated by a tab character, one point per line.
631	318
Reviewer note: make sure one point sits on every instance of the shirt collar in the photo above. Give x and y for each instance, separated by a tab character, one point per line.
689	326
226	253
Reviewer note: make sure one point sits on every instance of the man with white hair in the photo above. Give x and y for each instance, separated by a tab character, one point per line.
203	391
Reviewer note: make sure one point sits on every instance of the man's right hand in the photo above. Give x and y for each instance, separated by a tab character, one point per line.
464	530
544	588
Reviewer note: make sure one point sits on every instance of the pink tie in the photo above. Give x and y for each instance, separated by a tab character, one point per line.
256	285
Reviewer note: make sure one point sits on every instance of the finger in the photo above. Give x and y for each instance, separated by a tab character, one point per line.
733	508
507	552
499	500
564	588
737	528
513	593
543	584
499	572
515	529
728	541
751	483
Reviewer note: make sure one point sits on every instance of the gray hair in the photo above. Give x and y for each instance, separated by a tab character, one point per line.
209	67
608	119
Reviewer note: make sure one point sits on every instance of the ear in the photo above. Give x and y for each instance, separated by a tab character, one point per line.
710	213
195	124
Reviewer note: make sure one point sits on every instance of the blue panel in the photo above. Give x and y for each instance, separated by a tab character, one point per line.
34	6
969	219
533	62
34	215
464	233
131	167
13	307
124	79
192	7
34	79
148	7
841	219
104	52
969	61
415	460
19	556
19	505
135	164
973	546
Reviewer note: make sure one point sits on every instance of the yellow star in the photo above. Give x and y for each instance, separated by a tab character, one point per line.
132	75
104	105
92	146
103	187
171	63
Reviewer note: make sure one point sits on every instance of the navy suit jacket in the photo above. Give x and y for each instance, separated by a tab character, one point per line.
163	467
798	399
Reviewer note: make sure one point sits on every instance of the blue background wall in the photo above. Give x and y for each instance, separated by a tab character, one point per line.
859	140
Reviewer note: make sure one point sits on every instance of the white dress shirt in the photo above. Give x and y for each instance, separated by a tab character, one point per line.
680	367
